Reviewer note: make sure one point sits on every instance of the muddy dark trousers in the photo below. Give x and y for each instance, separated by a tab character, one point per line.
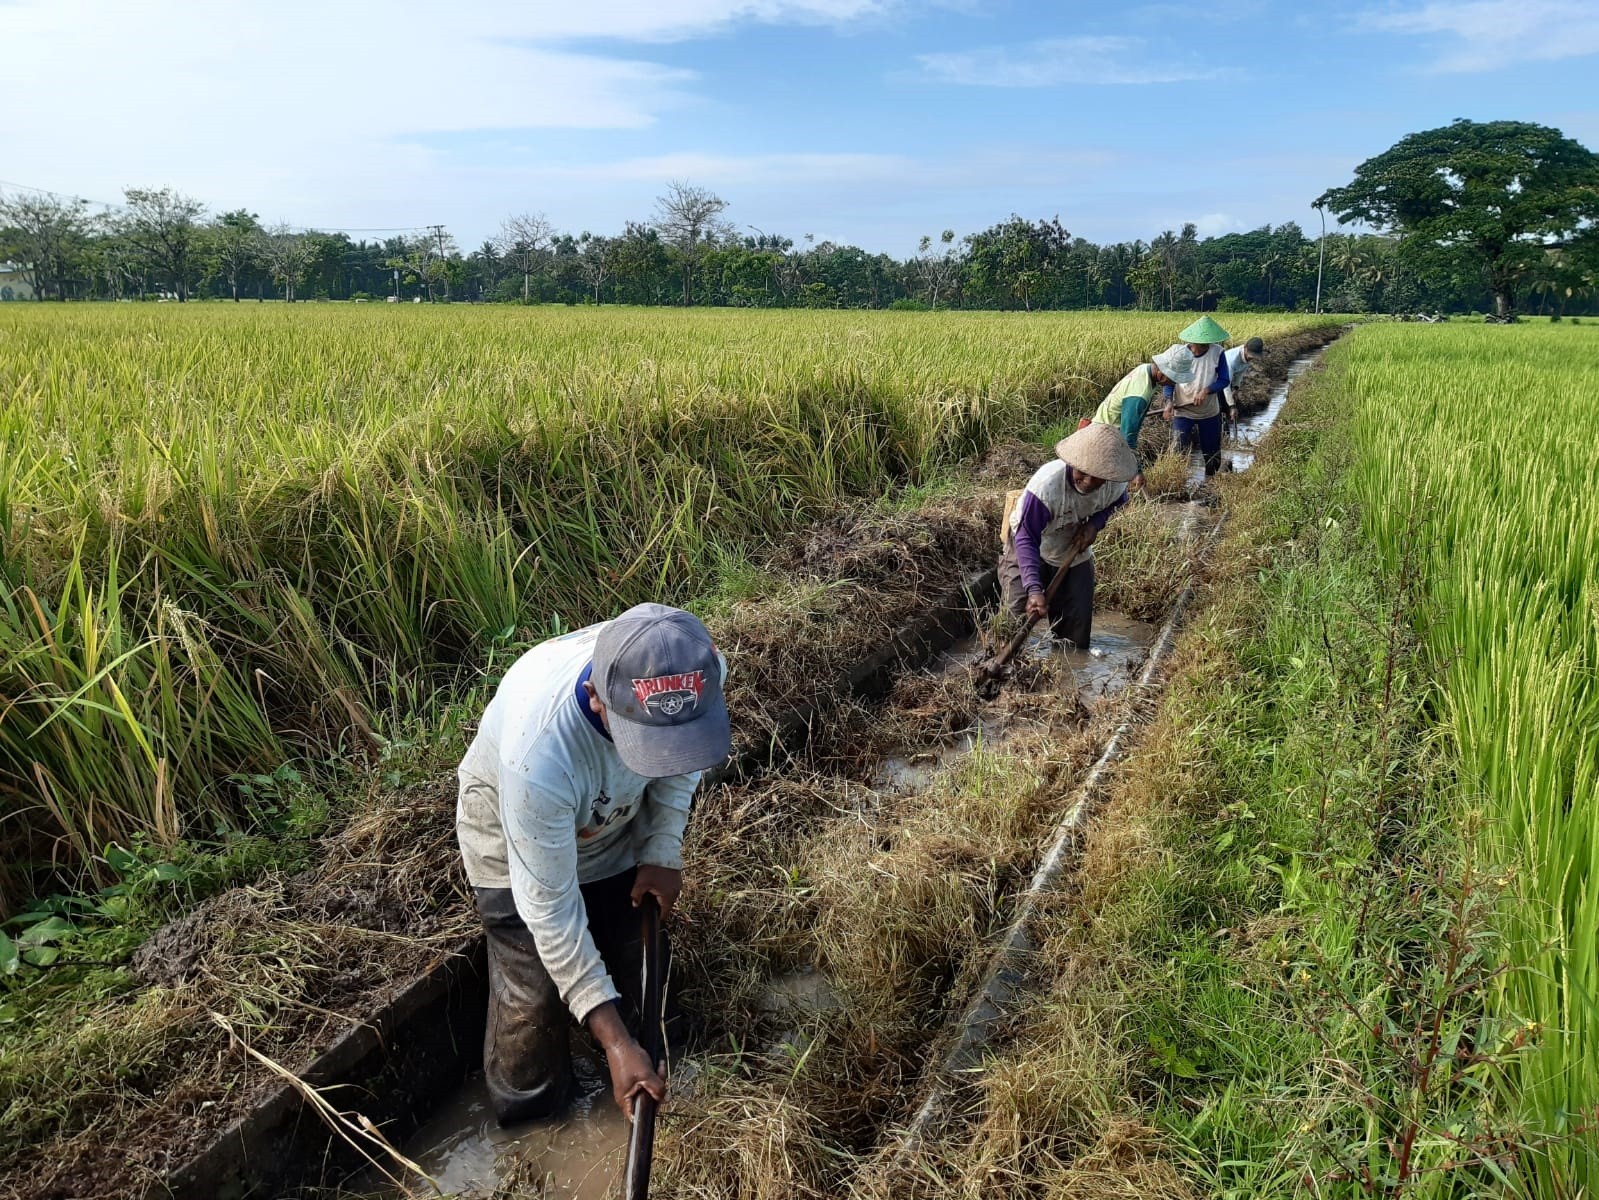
1071	609
527	1058
1207	430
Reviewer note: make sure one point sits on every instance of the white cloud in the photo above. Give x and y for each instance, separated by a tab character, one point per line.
1217	223
1051	62
1481	35
301	107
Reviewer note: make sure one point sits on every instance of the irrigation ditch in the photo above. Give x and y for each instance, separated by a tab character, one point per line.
859	886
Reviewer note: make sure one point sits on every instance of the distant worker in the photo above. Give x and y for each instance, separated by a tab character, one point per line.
1194	408
1239	361
1056	520
1127	403
573	800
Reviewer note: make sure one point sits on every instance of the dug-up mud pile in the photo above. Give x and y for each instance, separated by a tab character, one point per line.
845	881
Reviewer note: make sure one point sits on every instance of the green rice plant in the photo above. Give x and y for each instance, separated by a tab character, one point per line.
1475	461
231	535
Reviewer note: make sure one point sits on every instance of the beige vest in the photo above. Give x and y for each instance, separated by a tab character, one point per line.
1191	399
1052	484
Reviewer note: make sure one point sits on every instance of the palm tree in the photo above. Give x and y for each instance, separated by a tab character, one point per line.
1268	270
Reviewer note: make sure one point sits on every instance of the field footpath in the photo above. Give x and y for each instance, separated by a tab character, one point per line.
292	961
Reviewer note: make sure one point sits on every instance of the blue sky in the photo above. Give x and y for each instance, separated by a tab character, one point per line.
869	121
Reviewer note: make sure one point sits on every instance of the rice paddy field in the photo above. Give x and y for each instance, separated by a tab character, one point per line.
1497	523
235	537
1329	929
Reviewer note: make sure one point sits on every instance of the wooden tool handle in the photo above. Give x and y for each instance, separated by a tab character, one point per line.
641	1139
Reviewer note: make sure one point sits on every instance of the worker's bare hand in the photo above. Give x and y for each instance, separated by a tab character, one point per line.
1166	413
664	883
1137	482
1232	413
631	1074
1037	606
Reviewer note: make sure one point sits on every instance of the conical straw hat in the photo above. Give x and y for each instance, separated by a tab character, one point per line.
1203	332
1099	450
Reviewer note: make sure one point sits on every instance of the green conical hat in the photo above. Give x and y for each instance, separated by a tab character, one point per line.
1203	332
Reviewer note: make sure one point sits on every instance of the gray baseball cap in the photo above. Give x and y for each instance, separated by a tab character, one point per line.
660	678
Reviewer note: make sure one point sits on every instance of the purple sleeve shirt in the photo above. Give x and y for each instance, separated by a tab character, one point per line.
1030	530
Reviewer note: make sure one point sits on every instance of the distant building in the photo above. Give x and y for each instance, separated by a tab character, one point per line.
14	283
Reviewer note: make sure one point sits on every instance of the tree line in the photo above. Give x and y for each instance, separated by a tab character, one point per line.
1424	255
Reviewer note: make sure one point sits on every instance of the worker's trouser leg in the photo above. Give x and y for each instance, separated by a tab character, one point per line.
1071	608
1206	431
527	1058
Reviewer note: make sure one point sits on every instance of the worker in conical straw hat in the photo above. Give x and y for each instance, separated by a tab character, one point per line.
573	800
1126	404
1194	408
1059	515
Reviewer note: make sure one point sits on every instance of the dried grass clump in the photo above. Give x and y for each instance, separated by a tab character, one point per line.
290	962
745	1143
1141	565
1166	476
1048	1116
1128	1162
837	598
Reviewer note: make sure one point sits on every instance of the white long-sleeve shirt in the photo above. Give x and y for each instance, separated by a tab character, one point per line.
546	803
1237	367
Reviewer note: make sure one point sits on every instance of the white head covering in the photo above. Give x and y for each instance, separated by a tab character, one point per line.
1176	363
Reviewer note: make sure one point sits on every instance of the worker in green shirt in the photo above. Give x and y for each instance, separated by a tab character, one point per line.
1127	403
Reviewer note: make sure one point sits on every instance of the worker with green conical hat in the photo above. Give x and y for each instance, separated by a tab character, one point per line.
1194	408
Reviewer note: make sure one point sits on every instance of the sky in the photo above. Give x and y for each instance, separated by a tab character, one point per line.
864	121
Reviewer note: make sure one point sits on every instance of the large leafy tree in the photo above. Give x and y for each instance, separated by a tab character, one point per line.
234	242
164	225
1018	262
689	219
47	233
1496	197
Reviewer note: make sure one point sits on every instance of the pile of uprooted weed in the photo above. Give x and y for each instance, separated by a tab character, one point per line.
1141	560
838	593
130	1090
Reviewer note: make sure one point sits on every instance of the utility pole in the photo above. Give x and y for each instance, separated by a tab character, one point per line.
438	235
1321	252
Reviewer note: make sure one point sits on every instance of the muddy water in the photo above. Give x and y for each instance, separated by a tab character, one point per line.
1114	656
1238	446
578	1156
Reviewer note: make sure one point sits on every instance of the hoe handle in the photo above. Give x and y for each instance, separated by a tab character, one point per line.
641	1140
1016	643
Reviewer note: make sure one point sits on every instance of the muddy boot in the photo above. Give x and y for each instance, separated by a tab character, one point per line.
527	1059
1071	609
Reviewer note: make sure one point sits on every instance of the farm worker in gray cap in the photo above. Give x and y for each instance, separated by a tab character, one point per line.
1239	360
1055	520
1125	406
573	800
1194	408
